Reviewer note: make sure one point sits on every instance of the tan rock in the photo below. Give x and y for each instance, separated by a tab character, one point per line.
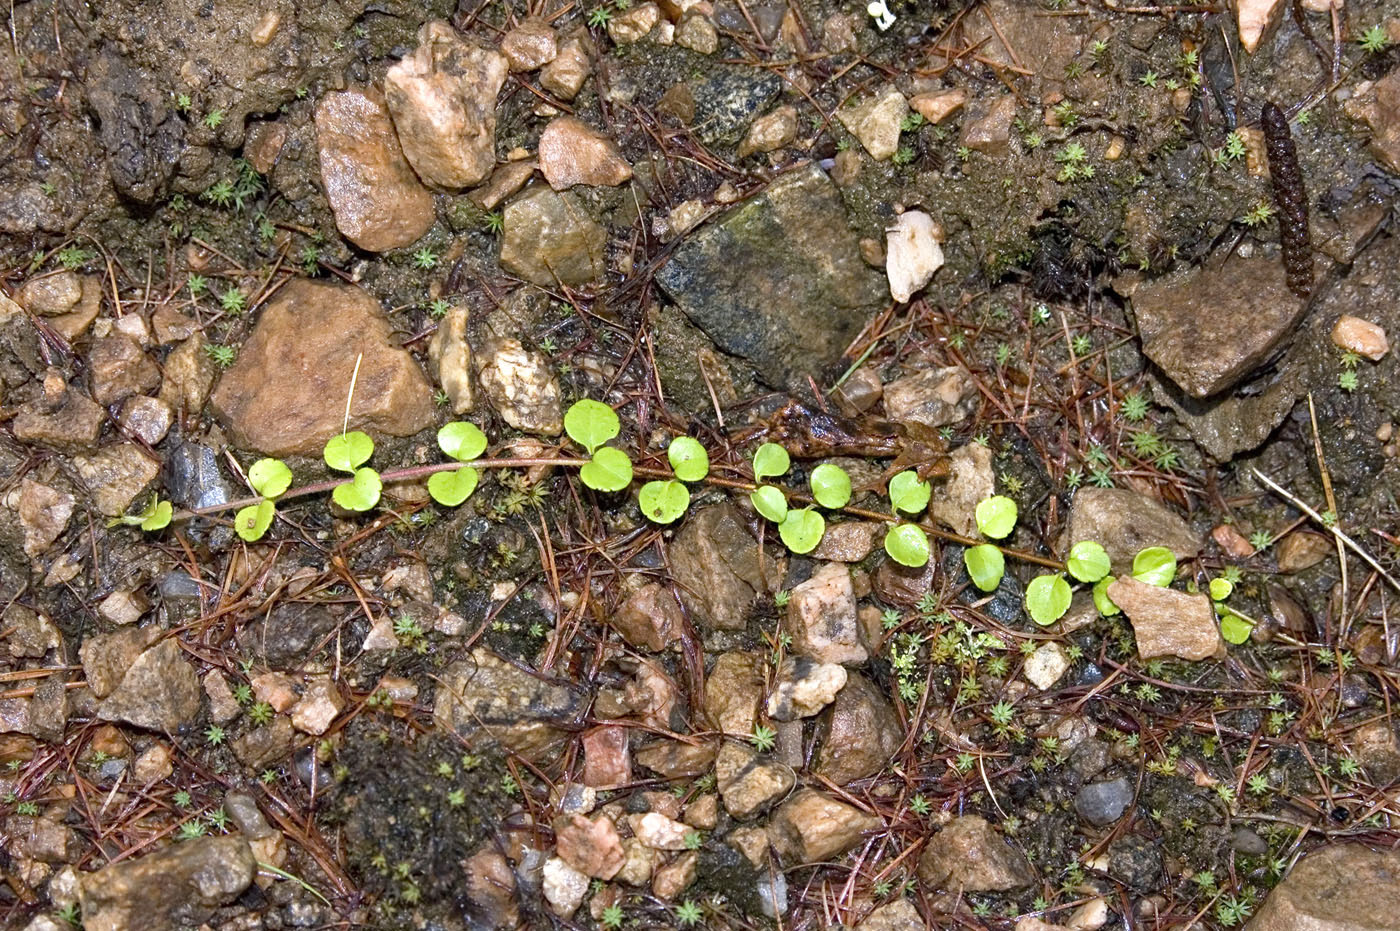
900	915
62	417
859	734
703	812
50	295
1231	542
1167	622
748	783
697	33
443	100
658	831
1339	887
934	397
286	393
1361	337
451	356
43	514
146	419
641	860
650	618
803	688
378	202
189	376
849	541
550	238
635	24
521	386
318	706
607	759
1378	105
115	475
1125	522
969	856
810	827
530	45
572	152
987	126
717	567
563	887
504	182
937	106
671	880
1376	746
821	617
564	76
1046	665
1301	550
1255	17
591	846
676	759
733	690
876	121
971	480
771	131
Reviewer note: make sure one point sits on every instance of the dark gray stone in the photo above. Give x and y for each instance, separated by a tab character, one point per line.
192	477
778	280
728	98
143	137
1101	803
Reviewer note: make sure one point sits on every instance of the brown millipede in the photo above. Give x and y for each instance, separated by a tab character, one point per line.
1291	198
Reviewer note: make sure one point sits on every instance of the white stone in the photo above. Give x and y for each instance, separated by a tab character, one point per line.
1046	665
822	617
564	887
659	832
520	386
381	635
319	705
912	253
804	688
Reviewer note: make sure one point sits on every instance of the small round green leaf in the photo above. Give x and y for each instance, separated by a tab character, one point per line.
1234	628
1047	598
608	470
770	459
269	477
461	440
1088	561
251	523
453	487
157	516
591	424
802	530
1155	565
907	545
361	493
769	502
663	502
1220	588
348	451
985	565
1101	600
831	486
688	458
996	516
908	494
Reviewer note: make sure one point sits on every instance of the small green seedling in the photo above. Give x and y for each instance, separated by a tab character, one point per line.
769	501
269	478
1155	565
1101	600
985	565
907	545
996	516
1088	561
590	424
770	460
608	470
154	516
831	486
688	458
464	442
1047	598
802	529
1220	589
1234	628
347	453
664	502
908	494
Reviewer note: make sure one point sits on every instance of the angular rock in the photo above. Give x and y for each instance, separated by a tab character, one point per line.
860	734
1167	622
223	707
189	376
116	475
635	24
119	369
778	280
160	691
1376	746
1378	106
41	839
912	253
607	758
849	541
50	295
593	847
674	759
529	45
876	121
286	393
43	514
63	417
28	633
987	126
522	711
1125	522
821	617
1102	803
969	856
443	100
671	880
1046	665
521	386
650	618
318	706
971	480
748	783
140	130
1301	550
504	182
659	832
716	564
770	132
936	106
934	397
146	419
107	657
572	152
549	238
378	202
1189	321
177	887
810	827
697	33
563	887
725	100
564	76
1254	18
451	356
733	691
803	688
1339	887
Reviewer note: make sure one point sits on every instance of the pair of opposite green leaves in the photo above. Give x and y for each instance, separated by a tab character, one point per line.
800	529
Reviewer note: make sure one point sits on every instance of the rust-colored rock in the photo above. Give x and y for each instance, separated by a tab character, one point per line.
1167	622
286	393
572	152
